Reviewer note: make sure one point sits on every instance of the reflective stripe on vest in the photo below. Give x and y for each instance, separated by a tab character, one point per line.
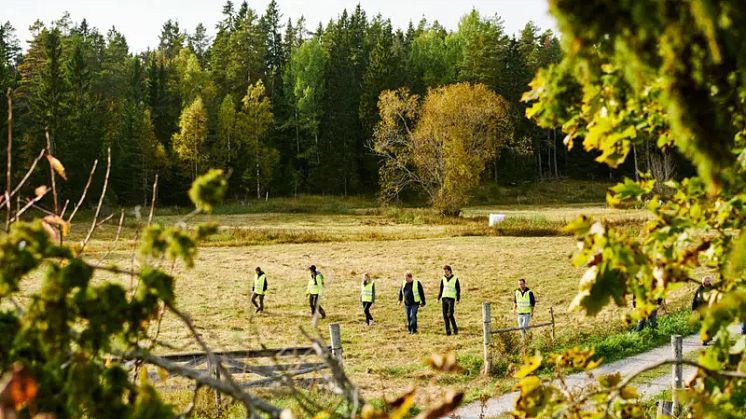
259	284
449	287
366	292
523	301
415	290
315	285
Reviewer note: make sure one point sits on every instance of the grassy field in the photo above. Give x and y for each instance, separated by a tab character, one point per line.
348	239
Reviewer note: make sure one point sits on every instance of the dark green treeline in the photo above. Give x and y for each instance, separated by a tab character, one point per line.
285	109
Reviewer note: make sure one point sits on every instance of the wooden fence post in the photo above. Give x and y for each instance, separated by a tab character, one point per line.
336	341
551	315
214	370
677	373
487	331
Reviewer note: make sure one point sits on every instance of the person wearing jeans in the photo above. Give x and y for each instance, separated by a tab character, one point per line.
523	305
413	297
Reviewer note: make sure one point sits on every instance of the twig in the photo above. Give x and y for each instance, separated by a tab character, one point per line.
187	413
10	159
28	172
228	388
64	208
51	170
116	240
100	203
152	201
247	399
350	392
85	191
30	204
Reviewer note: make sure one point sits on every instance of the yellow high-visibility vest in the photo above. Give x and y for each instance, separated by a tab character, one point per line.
259	284
449	287
523	301
366	292
315	286
415	290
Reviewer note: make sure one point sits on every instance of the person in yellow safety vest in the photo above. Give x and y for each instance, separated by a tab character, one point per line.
259	289
523	305
413	297
314	290
449	295
367	297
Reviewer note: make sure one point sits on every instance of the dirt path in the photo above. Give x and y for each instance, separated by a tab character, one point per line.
504	404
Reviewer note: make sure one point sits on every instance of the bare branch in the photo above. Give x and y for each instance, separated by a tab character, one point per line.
85	190
28	173
229	388
100	203
30	204
152	201
116	240
10	159
51	171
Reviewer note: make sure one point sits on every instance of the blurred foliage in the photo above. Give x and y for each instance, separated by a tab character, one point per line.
671	73
57	349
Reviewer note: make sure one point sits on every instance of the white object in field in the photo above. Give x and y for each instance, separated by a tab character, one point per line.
496	218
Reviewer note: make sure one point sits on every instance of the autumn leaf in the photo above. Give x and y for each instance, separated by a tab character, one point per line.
59	222
56	166
17	388
629	392
444	362
40	191
448	404
531	364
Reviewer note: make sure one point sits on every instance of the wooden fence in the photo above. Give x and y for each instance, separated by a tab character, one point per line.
487	332
274	374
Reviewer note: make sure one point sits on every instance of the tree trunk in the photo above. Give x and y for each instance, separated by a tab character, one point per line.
634	157
554	143
538	155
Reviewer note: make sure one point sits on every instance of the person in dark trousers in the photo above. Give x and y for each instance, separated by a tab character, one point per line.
449	295
413	297
702	297
259	289
314	290
652	319
523	305
367	297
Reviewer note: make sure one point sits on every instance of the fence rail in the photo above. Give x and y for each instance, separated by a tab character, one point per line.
487	332
234	362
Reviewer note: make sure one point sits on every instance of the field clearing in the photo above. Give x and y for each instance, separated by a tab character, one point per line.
383	359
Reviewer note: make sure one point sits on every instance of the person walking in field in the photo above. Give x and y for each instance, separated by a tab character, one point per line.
703	297
367	297
523	305
259	289
314	290
449	295
413	297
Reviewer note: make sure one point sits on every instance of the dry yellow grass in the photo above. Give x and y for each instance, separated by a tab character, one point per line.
383	359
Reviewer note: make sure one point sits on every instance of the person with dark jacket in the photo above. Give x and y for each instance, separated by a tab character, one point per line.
702	297
259	289
367	297
701	294
652	319
449	295
413	297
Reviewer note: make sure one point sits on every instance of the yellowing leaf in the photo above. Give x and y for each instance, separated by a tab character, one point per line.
531	364
56	166
444	363
528	384
59	222
162	374
629	392
40	191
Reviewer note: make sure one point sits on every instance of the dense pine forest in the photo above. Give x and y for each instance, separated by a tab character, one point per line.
284	108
